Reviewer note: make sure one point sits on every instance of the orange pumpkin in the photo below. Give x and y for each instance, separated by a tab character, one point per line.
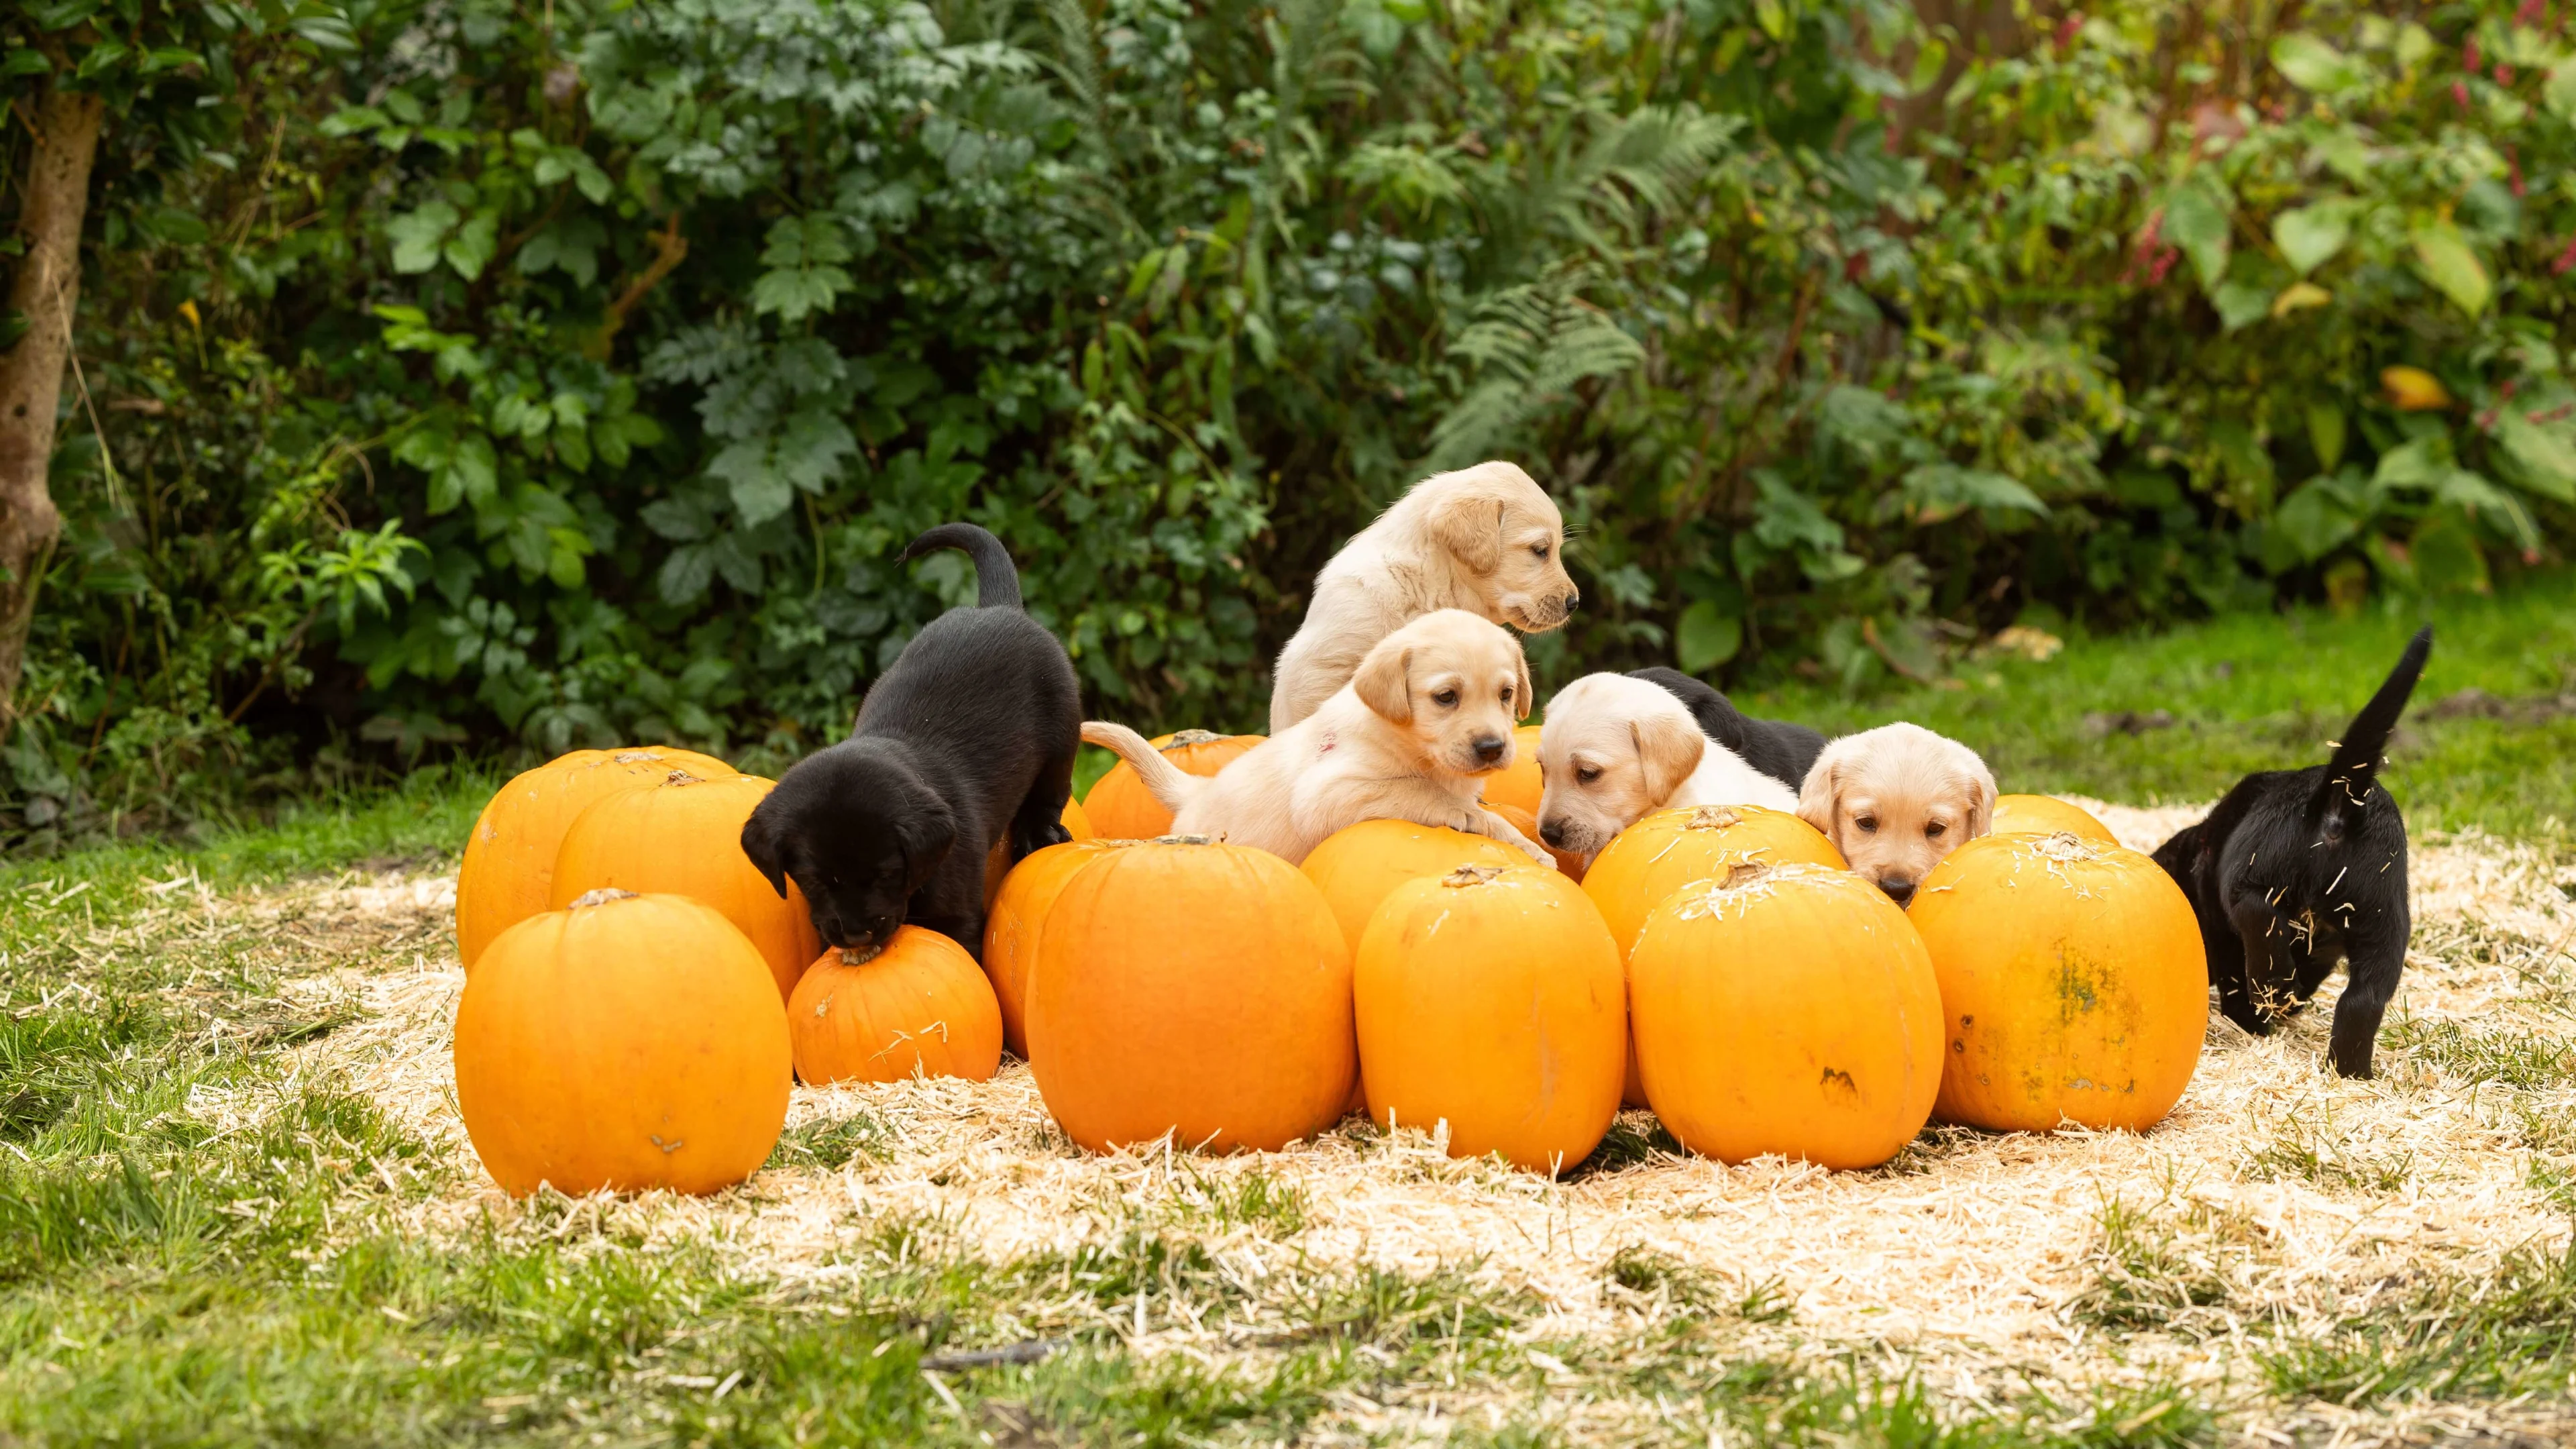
997	862
1119	806
1786	1009
1013	917
1671	848
628	1042
684	838
1194	989
1517	784
2072	981
1567	862
2047	815
1490	998
508	871
1358	867
920	1005
1077	823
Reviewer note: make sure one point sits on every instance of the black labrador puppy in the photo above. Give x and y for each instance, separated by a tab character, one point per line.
967	740
2297	869
1783	751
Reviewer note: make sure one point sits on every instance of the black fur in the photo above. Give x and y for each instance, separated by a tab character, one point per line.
2297	869
969	739
1783	751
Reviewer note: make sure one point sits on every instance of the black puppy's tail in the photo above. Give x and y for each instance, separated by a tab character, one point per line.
2354	770
997	581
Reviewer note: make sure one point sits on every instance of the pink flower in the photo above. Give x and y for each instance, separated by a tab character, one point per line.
2460	93
2469	56
2530	14
2069	29
2566	259
2503	74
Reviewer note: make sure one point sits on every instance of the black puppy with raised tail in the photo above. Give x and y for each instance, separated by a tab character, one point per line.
969	739
2297	869
1783	751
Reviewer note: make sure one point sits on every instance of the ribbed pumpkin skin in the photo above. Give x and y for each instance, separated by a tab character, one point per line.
1359	867
1077	821
684	838
2073	984
1119	806
1568	864
1672	848
1793	1012
997	864
1517	785
508	871
591	1040
1197	989
2048	815
1493	1002
1013	917
921	1004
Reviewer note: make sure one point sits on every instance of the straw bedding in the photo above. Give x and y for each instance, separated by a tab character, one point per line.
1979	1261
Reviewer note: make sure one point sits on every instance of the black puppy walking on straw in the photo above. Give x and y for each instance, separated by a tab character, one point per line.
966	742
2297	869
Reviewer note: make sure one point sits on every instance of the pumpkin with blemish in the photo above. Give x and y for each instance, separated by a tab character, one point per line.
2047	815
1786	1010
1490	998
684	837
920	1006
508	871
1119	806
2073	984
626	1042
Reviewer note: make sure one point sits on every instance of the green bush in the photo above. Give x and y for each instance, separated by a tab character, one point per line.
553	375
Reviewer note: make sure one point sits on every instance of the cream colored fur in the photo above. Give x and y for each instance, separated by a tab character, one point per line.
1896	799
1615	750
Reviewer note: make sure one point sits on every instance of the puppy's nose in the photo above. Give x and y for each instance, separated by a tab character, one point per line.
1489	748
1572	598
1899	891
1553	832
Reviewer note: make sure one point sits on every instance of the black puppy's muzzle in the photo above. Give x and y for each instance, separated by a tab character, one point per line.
1899	891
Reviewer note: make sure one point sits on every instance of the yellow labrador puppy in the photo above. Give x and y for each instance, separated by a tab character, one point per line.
1896	799
1484	539
1411	737
1616	749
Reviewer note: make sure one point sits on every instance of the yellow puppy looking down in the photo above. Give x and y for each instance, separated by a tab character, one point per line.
1484	539
1895	800
1411	736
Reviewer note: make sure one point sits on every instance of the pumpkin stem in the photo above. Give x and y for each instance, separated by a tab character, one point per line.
852	956
1743	873
1470	875
1185	738
1713	817
681	777
1185	840
601	897
2066	845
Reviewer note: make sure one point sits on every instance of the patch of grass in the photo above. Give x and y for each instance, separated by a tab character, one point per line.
1269	1205
2506	1056
2308	1148
1646	1274
2157	1269
832	1143
1634	1137
2453	1336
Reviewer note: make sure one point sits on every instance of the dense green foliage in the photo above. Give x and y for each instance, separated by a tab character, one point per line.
548	375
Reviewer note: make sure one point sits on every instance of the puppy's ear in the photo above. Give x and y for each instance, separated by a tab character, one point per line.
1524	693
927	831
1981	794
1470	527
760	843
1820	797
1384	684
1669	745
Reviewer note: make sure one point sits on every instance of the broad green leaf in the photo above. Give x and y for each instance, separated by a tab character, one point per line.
792	292
1773	17
2560	93
416	235
2241	304
759	493
2419	464
2454	270
471	248
2316	519
1942	490
686	574
2310	236
2313	65
2326	433
2196	221
1706	638
2447	556
2474	495
2548	460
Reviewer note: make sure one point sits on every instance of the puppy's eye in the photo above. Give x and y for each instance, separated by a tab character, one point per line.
1507	694
1867	823
1588	774
1540	550
1933	830
1446	699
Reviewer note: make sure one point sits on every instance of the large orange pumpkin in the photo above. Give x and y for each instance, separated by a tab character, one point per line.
2047	815
1013	917
508	871
1786	1009
628	1042
683	837
997	862
1567	862
1490	998
1671	848
2072	981
1518	783
1359	866
1195	989
1121	808
920	1005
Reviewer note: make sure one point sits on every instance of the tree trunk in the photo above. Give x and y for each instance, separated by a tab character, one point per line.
46	290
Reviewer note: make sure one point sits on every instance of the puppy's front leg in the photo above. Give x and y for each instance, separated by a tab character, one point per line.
1486	822
2376	951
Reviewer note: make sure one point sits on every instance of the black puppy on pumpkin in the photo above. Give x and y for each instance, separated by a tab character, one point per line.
2297	869
968	741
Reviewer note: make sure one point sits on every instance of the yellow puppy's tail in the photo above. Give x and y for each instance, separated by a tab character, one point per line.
1168	783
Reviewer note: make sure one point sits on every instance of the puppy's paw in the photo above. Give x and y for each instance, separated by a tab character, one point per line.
1029	843
1538	854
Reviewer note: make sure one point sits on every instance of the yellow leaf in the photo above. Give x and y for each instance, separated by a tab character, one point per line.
188	310
2413	390
2298	295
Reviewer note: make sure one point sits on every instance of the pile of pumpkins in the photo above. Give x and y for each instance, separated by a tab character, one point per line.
637	994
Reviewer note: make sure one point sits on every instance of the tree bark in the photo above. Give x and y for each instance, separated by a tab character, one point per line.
46	290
